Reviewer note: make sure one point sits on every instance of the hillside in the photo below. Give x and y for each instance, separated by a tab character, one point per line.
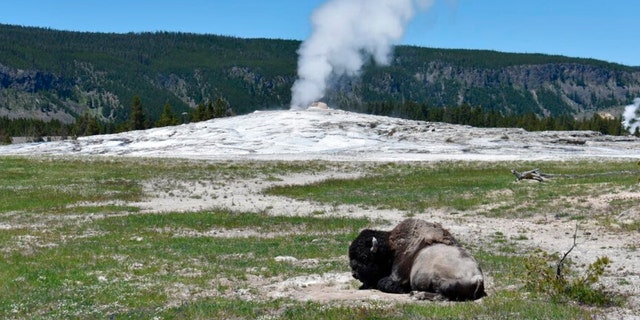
48	74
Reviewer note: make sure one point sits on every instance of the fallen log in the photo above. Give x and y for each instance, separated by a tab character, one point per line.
534	174
537	175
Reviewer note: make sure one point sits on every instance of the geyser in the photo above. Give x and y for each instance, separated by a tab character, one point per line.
631	116
345	34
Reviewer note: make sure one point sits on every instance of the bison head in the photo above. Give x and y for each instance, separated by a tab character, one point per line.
370	257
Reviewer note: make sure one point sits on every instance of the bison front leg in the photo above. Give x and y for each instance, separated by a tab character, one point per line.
390	285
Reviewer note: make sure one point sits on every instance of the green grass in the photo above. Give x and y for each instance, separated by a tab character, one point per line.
127	263
45	184
53	184
77	248
472	186
404	187
504	305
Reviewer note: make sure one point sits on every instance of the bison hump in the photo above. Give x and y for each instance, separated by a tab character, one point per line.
411	235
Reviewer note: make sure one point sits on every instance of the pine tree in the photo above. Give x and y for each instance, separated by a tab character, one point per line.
198	113
208	112
167	118
80	126
87	125
220	108
136	117
5	138
93	127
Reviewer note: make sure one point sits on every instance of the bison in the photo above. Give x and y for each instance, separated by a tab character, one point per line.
417	256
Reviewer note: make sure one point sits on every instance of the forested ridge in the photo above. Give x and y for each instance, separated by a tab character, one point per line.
64	76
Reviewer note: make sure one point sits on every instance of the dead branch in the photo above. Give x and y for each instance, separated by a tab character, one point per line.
534	174
538	175
559	266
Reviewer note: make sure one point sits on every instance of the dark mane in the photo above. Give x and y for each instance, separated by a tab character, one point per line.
367	266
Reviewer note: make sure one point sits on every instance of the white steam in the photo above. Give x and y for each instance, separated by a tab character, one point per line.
631	116
346	33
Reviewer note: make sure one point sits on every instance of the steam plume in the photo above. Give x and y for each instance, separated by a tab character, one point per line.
631	116
346	33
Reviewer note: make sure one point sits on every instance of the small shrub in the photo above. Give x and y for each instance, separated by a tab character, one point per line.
543	277
5	139
520	237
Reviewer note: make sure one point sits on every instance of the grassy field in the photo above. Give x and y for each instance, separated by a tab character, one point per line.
74	246
470	185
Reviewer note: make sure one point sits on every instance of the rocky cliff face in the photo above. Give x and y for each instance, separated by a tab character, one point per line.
45	95
579	87
545	89
27	94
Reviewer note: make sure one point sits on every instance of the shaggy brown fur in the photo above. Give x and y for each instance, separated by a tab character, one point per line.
416	255
411	236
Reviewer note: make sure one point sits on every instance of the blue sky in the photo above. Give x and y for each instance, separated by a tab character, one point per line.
606	30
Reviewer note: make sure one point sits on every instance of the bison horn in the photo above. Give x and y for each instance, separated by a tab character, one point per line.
374	245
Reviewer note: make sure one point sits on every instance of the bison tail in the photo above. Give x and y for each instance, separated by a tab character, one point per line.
479	291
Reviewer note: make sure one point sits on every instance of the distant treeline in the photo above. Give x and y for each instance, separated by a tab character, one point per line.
31	129
466	114
85	125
